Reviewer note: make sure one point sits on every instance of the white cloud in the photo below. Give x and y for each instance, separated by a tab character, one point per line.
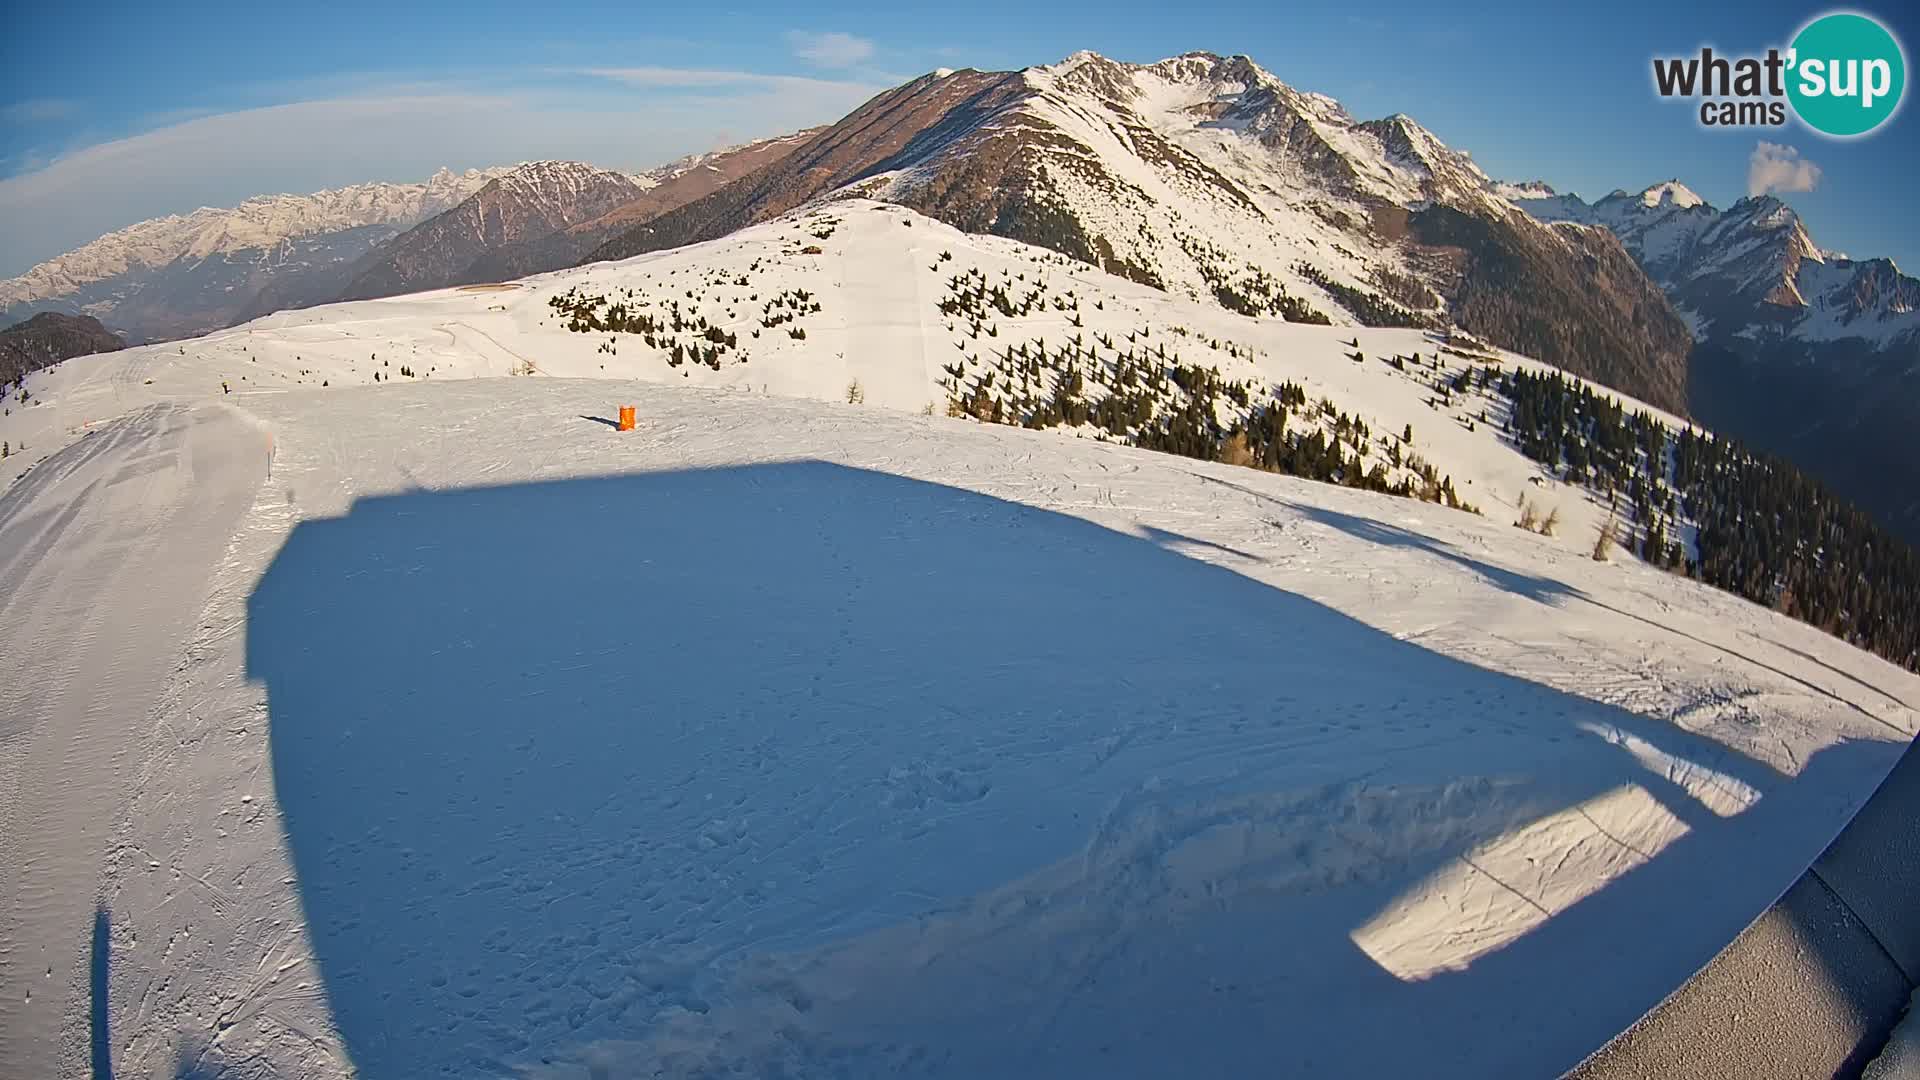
699	78
1776	168
37	111
834	50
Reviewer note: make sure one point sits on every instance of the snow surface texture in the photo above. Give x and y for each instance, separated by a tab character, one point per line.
105	557
804	737
1900	1060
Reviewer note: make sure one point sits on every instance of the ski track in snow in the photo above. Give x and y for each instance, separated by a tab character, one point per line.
87	600
793	737
888	350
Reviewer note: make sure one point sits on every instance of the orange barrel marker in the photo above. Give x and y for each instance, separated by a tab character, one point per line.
626	418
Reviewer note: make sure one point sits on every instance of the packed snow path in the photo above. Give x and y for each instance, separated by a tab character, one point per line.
105	554
803	738
886	346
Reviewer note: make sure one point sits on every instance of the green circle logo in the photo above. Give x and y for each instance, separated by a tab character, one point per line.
1848	74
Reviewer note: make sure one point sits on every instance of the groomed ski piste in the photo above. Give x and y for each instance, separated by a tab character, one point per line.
430	727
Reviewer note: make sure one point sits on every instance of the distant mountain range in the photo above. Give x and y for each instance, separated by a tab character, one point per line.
530	201
183	275
1749	272
1800	351
188	273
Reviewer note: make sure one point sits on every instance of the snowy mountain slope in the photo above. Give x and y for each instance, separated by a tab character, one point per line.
942	749
855	292
1210	178
1804	352
857	300
183	274
530	201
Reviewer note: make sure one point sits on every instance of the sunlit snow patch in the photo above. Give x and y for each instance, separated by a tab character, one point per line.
1500	891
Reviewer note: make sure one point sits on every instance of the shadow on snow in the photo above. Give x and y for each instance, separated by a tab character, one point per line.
800	767
99	967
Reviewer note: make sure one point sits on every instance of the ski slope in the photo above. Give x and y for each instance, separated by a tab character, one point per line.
89	602
791	736
877	273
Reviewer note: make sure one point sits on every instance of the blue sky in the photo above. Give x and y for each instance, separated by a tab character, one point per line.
143	109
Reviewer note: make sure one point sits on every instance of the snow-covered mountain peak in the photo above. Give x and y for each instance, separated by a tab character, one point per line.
1412	146
1086	73
1651	204
1198	83
1078	59
1670	193
1260	122
1228	72
559	180
1527	189
1766	212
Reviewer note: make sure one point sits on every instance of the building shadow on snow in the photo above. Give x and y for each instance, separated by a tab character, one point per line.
801	768
1532	587
1542	590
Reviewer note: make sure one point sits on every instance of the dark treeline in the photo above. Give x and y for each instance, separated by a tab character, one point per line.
1134	388
1154	400
1767	531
